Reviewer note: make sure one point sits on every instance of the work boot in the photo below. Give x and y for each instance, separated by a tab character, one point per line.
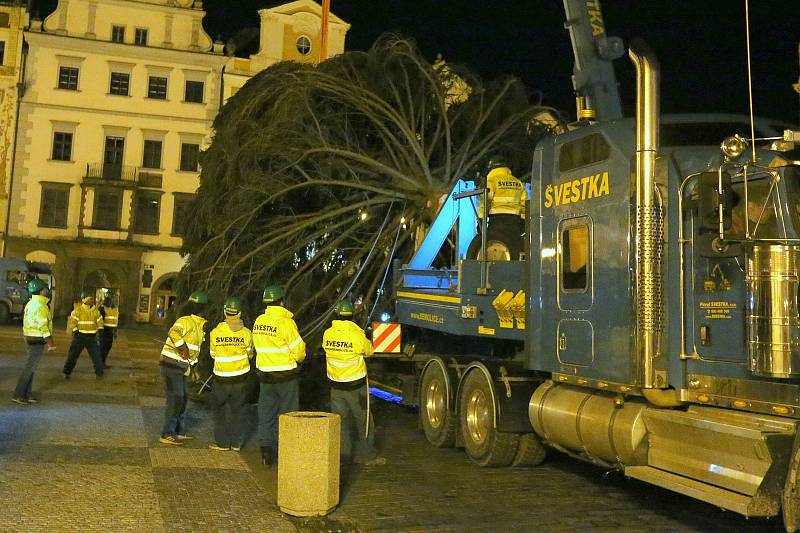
268	455
169	439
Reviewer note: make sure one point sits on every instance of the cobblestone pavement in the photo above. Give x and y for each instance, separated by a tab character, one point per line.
87	458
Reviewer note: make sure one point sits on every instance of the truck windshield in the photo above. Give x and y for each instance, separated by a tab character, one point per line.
759	214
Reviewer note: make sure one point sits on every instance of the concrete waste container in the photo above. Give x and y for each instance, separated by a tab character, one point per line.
308	463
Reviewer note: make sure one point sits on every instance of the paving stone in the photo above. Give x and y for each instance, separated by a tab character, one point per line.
169	456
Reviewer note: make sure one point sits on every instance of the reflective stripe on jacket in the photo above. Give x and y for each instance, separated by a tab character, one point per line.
506	193
186	330
277	342
345	346
231	350
37	320
85	319
111	318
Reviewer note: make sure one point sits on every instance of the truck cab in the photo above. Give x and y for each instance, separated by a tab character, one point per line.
14	277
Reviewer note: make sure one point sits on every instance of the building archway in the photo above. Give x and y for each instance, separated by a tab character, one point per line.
102	283
163	298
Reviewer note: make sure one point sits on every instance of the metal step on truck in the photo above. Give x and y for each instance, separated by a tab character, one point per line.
651	323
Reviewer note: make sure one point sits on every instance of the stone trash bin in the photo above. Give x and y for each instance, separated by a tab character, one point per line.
308	463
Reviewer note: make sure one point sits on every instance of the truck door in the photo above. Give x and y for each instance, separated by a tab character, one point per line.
575	334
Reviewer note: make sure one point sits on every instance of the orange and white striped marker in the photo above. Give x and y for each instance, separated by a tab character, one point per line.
386	337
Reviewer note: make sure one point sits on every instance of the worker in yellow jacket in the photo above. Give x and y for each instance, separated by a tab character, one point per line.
106	336
231	350
507	194
179	353
84	322
279	348
37	328
346	345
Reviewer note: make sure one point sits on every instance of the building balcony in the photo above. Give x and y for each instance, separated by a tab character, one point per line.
110	174
121	176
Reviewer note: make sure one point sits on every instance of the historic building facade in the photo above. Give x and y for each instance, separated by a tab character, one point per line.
118	101
13	21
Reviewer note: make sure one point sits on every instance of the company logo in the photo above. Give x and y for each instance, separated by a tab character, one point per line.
265	328
339	344
574	191
595	17
426	317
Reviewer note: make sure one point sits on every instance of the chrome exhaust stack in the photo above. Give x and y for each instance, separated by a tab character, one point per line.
649	217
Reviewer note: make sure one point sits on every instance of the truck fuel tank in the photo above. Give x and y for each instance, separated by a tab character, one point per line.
591	423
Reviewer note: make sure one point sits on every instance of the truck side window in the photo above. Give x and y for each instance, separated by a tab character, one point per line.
574	258
584	151
15	276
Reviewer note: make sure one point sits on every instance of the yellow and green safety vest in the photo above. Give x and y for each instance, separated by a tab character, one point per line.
506	193
85	319
111	320
186	330
231	350
278	344
346	346
37	320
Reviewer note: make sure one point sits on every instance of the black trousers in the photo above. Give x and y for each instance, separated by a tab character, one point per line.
105	339
79	342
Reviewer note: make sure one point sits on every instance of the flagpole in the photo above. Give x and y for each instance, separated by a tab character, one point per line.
323	47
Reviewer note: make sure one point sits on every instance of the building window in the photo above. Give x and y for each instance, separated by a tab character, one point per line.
140	39
190	154
148	205
107	207
152	154
2	52
303	44
575	258
181	213
194	91
118	34
5	20
68	78
62	146
54	206
157	88
120	82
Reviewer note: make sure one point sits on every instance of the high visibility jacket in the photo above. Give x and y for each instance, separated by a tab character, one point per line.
85	319
38	320
186	330
231	350
506	193
278	344
111	316
346	346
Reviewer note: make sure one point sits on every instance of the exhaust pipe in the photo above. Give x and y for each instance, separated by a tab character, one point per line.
649	217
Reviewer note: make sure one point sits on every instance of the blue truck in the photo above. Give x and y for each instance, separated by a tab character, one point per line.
14	277
651	323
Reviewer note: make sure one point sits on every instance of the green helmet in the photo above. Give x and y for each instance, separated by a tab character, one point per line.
35	285
198	297
233	306
273	293
496	161
344	308
86	294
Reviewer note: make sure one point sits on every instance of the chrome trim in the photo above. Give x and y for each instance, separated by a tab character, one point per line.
649	215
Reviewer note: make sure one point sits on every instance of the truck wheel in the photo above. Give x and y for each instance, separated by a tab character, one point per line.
791	495
5	314
531	451
437	420
503	242
484	445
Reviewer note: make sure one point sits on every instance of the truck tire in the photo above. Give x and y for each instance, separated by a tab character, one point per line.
5	314
484	445
791	495
503	241
437	420
531	451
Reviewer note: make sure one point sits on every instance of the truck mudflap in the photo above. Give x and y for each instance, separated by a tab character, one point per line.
738	461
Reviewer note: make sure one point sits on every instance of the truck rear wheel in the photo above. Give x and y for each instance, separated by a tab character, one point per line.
438	421
484	445
503	241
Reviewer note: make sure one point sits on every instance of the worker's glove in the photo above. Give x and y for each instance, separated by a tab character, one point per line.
51	344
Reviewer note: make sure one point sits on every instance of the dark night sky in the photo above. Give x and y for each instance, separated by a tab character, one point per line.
700	44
